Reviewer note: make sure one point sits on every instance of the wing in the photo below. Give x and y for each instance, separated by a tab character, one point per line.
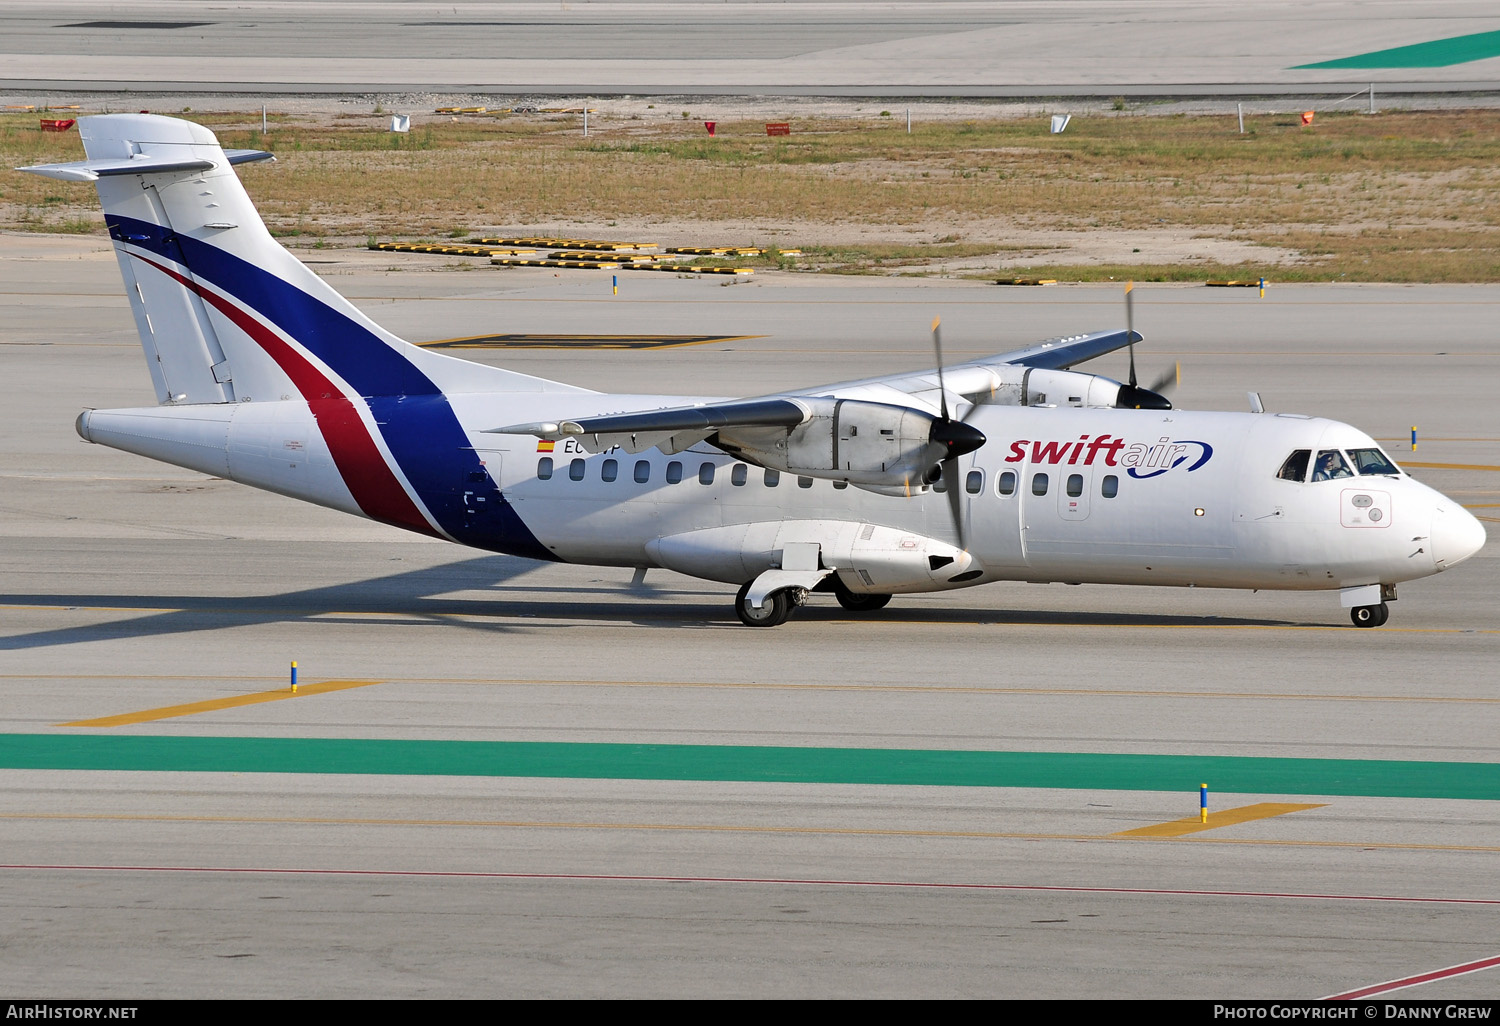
979	380
884	433
671	428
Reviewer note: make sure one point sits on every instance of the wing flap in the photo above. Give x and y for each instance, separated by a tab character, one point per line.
673	428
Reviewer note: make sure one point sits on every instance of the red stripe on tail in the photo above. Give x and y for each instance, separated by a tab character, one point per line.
361	464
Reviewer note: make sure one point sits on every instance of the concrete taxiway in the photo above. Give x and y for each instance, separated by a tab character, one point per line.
342	842
831	48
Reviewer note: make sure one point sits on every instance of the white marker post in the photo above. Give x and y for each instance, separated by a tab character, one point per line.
1241	108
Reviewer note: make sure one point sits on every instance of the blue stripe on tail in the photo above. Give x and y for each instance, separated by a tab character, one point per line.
414	417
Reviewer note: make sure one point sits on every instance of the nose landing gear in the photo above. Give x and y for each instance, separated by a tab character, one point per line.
1370	616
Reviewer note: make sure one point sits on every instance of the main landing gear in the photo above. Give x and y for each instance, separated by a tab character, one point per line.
779	605
857	603
1370	616
782	603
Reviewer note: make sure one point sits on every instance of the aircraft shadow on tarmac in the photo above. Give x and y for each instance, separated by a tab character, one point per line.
412	598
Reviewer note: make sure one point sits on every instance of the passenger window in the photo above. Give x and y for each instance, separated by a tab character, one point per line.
1039	484
773	478
706	474
610	470
841	485
575	470
1295	467
674	472
804	482
974	482
1110	486
1372	461
642	471
1075	485
739	475
1330	466
1008	483
544	468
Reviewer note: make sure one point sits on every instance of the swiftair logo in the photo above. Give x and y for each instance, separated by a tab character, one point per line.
1140	459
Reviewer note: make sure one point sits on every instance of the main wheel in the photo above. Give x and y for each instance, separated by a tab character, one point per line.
1370	616
860	603
774	613
852	602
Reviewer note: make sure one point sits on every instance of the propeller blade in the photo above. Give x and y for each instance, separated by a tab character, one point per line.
959	439
955	502
1130	327
1168	380
937	346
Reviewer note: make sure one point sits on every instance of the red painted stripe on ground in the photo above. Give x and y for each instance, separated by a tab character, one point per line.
1412	981
360	462
811	882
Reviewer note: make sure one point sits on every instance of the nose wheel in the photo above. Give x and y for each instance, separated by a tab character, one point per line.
1370	616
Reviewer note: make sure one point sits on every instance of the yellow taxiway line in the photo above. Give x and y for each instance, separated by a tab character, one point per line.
732	685
212	705
1229	817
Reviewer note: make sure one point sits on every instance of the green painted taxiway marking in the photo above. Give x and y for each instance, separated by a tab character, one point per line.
753	763
1439	53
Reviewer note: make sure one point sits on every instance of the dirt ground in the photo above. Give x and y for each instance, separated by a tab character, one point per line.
1019	245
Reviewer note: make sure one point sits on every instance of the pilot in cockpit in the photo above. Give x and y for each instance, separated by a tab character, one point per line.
1330	465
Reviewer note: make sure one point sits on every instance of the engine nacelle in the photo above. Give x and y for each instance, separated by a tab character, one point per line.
864	443
1037	386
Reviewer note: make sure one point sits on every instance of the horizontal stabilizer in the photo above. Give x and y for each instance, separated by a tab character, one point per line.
137	164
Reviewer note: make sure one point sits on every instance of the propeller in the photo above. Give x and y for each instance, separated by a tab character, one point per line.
1132	396
957	437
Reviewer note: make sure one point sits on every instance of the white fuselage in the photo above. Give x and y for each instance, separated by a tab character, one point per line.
1172	498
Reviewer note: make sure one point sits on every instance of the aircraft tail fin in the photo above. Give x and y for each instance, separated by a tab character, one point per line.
224	312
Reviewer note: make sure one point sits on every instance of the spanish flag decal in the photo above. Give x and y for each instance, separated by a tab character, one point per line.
545	446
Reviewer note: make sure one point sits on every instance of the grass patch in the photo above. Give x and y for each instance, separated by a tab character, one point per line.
1391	197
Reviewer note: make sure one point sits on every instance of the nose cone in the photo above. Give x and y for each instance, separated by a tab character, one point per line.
1456	534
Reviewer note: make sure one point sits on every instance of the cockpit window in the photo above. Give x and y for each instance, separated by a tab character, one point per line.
1372	461
1330	466
1295	467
